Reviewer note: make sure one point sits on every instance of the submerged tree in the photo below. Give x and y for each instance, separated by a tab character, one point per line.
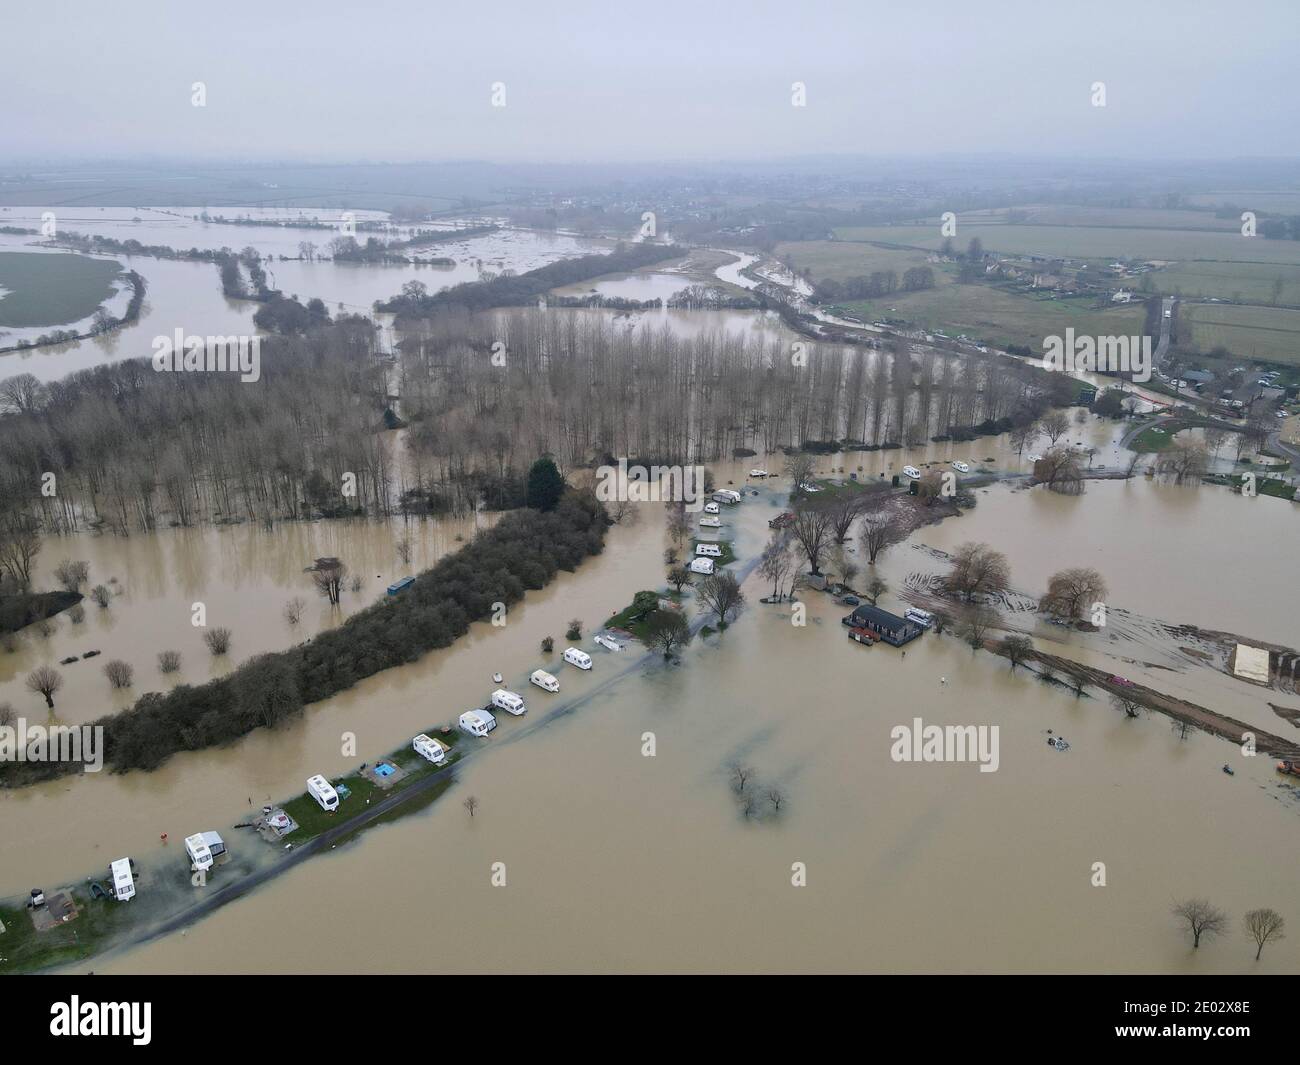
667	631
1262	926
1203	919
45	680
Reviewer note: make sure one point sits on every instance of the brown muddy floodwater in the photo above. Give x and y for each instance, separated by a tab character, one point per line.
617	861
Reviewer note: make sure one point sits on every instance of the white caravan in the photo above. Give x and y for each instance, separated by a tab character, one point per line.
429	749
544	680
123	879
508	701
323	792
477	722
577	658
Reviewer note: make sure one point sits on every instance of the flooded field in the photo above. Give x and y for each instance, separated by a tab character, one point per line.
591	831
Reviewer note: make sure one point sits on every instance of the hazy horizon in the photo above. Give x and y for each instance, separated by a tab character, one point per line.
398	82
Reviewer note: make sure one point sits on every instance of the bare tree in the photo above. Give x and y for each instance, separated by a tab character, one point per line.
1021	436
45	680
721	594
402	545
1059	470
1183	462
979	619
877	532
1054	425
1072	591
328	576
876	587
776	562
1202	919
20	543
76	613
978	569
218	640
799	468
1262	926
679	577
1017	648
72	575
119	673
169	661
740	775
1128	704
470	804
811	529
667	631
775	797
293	610
101	595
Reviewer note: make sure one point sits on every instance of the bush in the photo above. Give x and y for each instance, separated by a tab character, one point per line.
169	661
574	631
119	673
548	644
218	640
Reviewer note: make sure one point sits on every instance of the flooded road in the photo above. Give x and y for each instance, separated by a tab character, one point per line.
617	861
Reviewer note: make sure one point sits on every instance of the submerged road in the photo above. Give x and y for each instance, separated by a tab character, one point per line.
289	859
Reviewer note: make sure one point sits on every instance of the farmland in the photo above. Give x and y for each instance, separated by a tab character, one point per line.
52	289
1268	333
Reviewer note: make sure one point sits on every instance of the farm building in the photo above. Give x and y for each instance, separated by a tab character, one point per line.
889	627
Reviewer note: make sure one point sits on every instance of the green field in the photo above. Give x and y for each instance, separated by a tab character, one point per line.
1090	242
1244	282
1268	333
52	289
986	313
837	260
1111	217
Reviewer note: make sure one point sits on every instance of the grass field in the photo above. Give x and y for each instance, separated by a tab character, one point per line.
1269	333
1248	282
52	289
1114	217
1091	242
1002	317
837	260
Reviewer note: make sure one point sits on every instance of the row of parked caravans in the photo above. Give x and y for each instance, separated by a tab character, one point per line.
481	722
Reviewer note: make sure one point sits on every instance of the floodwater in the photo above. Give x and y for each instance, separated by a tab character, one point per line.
187	295
617	861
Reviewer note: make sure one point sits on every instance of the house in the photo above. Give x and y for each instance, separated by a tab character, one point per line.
888	627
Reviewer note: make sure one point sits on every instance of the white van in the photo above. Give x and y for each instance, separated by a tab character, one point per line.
123	879
544	681
712	508
429	749
701	565
919	617
711	523
323	792
508	701
709	550
477	722
577	658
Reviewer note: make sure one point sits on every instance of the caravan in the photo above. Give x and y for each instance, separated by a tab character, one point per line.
701	565
920	617
709	550
544	681
710	522
429	749
204	848
323	792
123	879
577	658
508	701
726	495
477	722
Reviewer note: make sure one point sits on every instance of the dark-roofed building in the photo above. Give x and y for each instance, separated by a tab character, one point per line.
889	627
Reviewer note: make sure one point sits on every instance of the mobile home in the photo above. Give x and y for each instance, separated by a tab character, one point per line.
508	701
711	508
726	495
477	722
544	680
912	472
710	522
123	879
577	658
429	749
701	565
709	550
922	617
323	792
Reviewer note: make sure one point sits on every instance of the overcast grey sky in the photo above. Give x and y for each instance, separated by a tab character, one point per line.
621	81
